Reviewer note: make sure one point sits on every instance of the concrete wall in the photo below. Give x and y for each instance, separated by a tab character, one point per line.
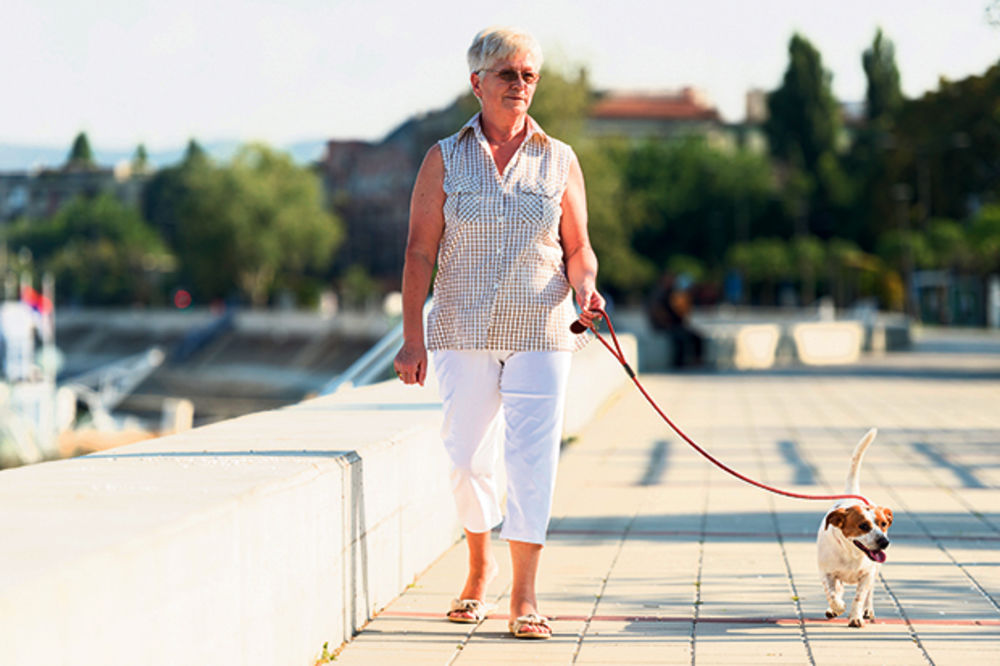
250	541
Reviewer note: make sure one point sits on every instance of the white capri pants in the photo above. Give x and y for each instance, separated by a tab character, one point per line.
514	398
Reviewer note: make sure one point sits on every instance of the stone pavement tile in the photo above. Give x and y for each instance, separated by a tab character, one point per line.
961	645
636	642
652	579
930	587
984	571
836	643
493	644
724	643
984	501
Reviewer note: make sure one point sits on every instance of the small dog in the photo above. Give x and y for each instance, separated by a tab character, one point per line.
851	545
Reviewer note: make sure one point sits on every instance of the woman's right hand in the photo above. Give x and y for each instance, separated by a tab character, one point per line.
411	363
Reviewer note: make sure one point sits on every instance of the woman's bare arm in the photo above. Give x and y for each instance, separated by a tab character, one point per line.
579	257
426	227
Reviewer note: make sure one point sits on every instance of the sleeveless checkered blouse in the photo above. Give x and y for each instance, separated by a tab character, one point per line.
501	283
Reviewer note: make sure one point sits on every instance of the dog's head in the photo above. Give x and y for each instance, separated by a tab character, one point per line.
865	526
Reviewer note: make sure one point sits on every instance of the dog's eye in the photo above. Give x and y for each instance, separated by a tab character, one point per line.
865	527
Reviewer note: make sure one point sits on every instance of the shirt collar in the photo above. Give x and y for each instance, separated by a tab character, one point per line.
474	125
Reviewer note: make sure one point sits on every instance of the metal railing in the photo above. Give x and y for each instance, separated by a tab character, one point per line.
375	364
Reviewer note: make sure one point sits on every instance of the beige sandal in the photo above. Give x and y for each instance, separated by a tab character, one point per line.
517	626
478	610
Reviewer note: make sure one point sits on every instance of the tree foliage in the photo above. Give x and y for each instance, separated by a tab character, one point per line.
243	226
100	252
802	128
803	120
690	198
80	154
883	96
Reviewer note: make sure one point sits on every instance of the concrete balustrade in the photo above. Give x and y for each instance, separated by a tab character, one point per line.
250	541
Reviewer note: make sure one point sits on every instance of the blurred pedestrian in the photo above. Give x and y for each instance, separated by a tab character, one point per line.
670	312
500	208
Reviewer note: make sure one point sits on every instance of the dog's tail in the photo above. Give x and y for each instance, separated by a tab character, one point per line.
853	484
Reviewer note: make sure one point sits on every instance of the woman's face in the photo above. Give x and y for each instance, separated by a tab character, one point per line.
500	90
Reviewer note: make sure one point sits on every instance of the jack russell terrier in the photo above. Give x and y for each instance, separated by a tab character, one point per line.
851	545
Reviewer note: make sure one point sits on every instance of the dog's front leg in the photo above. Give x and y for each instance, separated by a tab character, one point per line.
834	595
861	599
869	613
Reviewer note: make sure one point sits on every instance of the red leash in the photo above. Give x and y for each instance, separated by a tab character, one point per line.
616	351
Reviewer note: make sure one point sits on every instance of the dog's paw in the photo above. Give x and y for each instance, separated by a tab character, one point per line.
856	622
869	615
836	608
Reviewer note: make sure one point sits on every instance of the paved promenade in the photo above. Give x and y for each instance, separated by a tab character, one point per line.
656	557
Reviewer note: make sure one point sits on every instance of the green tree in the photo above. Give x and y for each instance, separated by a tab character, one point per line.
803	120
689	198
984	234
100	252
168	190
883	96
950	245
252	222
140	160
808	256
764	262
802	128
358	288
80	154
613	218
946	145
562	101
194	154
845	261
871	150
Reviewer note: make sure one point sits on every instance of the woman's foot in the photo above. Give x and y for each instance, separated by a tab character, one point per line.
529	625
525	620
480	576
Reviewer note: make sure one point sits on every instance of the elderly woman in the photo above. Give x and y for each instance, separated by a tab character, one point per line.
500	207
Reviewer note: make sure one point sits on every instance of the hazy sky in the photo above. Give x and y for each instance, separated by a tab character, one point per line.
160	72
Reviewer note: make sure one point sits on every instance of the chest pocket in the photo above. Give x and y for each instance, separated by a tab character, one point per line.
540	205
464	205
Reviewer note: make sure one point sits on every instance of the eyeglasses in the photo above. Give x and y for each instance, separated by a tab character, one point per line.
513	76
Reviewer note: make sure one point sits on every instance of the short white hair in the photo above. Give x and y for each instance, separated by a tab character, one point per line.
496	43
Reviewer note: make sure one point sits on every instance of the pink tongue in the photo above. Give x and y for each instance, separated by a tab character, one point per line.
878	555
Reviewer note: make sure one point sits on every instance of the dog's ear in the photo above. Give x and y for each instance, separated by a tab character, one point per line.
837	518
887	514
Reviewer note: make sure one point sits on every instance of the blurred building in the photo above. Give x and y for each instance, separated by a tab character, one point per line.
644	115
42	193
369	185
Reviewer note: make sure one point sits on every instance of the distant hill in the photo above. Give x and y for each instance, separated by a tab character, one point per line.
19	157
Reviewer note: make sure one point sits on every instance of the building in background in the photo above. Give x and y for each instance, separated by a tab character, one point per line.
644	115
42	193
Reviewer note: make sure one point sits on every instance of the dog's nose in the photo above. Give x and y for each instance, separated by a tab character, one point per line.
883	543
